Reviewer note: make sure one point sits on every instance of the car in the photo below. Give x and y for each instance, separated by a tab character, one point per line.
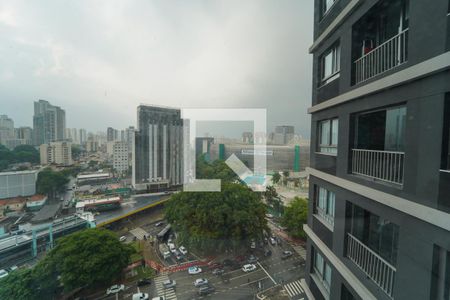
228	262
115	289
159	224
11	269
144	281
252	259
218	271
253	245
178	255
183	250
3	273
267	252
200	281
248	268
286	254
205	290
194	270
269	216
167	284
272	241
172	247
140	296
123	238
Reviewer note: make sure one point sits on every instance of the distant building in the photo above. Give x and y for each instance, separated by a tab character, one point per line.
112	134
6	129
283	135
91	146
247	137
158	148
49	123
25	134
82	136
120	156
15	184
129	135
72	135
59	153
36	202
203	145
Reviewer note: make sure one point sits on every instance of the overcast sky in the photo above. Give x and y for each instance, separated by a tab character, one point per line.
98	60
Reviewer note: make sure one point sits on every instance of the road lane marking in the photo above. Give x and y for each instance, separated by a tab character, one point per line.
274	282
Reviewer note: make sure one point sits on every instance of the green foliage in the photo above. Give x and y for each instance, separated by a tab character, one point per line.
217	221
22	153
49	182
88	258
218	169
76	151
295	215
276	178
285	174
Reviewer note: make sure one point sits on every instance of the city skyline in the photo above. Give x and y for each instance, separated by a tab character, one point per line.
224	54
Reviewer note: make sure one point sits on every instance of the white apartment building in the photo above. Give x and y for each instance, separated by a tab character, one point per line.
59	153
120	156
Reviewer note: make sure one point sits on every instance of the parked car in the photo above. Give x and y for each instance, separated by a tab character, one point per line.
252	259
272	241
194	270
159	224
3	273
248	268
205	290
144	281
183	250
200	281
286	254
11	269
169	284
267	252
253	245
218	271
178	255
123	238
115	289
140	296
172	247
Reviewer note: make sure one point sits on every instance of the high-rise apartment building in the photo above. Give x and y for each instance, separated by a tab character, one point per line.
82	135
112	134
25	133
6	129
59	153
72	135
379	221
49	123
158	148
120	156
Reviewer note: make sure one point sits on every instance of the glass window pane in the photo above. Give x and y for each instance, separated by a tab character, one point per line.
322	198
395	129
327	275
327	65
325	132
319	263
334	131
330	206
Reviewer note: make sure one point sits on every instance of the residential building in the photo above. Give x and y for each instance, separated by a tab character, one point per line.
91	146
59	153
6	129
112	134
18	183
158	148
129	134
72	135
379	221
82	135
49	123
283	135
120	156
25	134
247	137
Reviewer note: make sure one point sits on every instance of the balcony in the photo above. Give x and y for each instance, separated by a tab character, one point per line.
381	272
387	166
390	54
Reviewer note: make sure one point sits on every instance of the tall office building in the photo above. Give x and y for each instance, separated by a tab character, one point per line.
379	221
49	123
158	148
129	134
112	134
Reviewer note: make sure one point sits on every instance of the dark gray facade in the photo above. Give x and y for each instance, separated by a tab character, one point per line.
379	226
158	148
49	123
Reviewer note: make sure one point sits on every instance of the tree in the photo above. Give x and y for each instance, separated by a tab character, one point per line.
22	153
295	216
76	151
285	174
19	284
218	169
276	178
50	182
217	221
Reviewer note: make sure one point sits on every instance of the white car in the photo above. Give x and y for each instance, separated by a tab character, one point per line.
140	296
3	273
123	238
115	289
183	250
194	270
172	247
200	281
248	268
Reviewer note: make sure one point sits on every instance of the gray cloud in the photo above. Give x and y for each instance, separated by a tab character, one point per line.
100	59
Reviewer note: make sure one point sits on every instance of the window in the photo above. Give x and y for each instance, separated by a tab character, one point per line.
325	205
440	274
328	136
445	158
330	64
326	6
322	270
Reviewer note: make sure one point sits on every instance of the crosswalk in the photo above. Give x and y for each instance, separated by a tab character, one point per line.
294	288
139	233
300	250
169	293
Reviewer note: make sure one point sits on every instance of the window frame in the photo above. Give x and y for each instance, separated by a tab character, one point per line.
326	213
332	148
322	274
335	51
323	11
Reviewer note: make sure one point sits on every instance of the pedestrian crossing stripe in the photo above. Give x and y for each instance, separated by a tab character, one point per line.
294	288
169	293
139	233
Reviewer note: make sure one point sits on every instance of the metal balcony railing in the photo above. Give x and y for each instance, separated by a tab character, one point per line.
386	56
374	266
387	166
